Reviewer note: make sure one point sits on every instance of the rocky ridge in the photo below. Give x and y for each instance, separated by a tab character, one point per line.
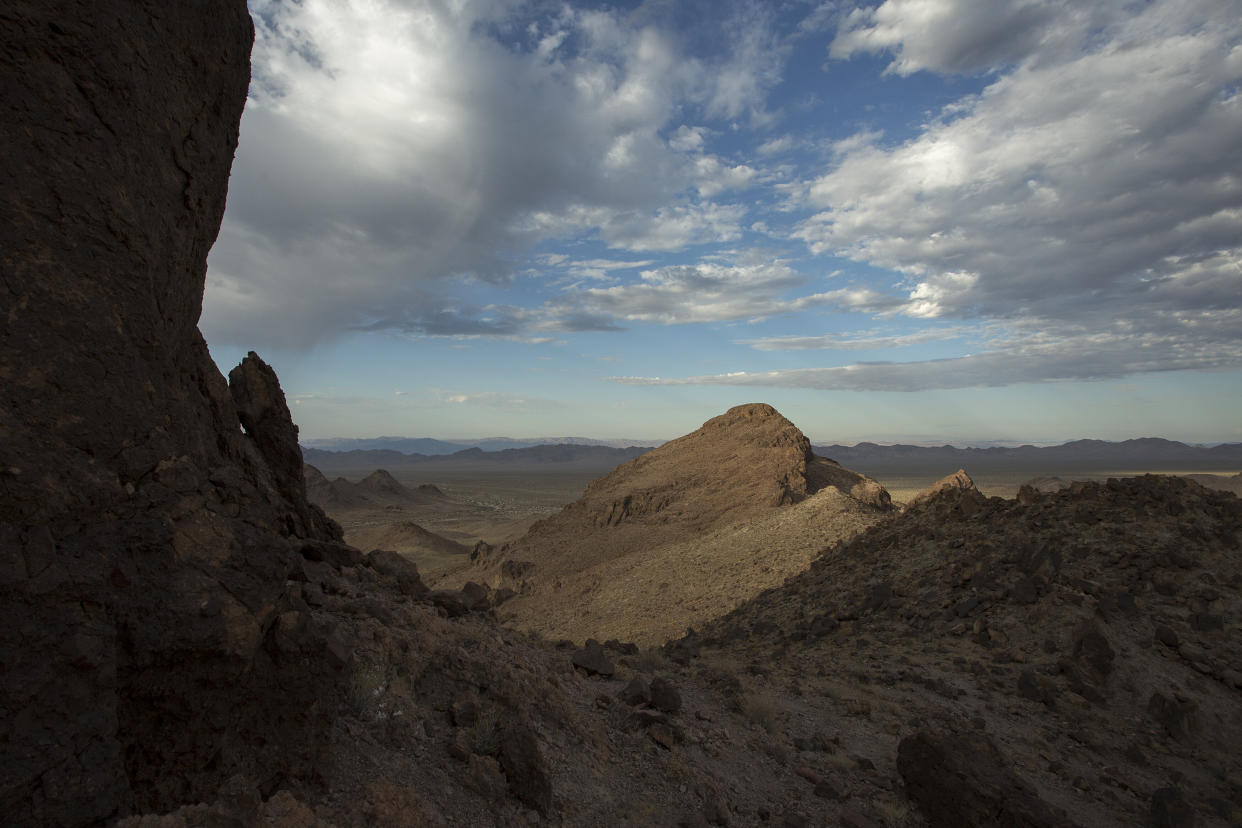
677	535
1081	638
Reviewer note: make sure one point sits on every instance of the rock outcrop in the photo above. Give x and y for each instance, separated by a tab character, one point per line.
151	514
959	481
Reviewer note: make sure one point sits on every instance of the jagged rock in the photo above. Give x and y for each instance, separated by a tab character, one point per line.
524	766
593	659
664	696
959	481
1091	662
265	416
636	692
961	781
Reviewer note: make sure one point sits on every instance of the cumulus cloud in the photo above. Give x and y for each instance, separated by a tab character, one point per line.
1077	188
964	36
705	292
389	147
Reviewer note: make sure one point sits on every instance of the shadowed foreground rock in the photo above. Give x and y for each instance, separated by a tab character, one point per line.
147	544
960	781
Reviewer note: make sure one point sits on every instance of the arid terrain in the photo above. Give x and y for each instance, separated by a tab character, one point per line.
189	641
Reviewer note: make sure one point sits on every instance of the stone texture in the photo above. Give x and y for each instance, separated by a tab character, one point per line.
151	516
963	781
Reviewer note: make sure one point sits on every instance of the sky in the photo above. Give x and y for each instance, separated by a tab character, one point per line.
930	221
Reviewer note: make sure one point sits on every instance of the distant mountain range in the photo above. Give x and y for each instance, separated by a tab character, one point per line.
431	446
1145	454
587	458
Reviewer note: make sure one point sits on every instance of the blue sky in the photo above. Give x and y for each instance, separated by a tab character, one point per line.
923	220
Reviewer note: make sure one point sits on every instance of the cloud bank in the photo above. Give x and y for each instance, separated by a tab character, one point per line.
389	148
1075	214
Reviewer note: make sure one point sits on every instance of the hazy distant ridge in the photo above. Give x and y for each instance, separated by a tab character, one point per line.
432	446
568	454
1144	454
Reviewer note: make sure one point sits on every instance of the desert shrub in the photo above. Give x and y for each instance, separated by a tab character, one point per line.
892	813
483	737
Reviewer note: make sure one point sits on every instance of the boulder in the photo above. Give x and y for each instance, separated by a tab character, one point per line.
962	781
593	659
525	767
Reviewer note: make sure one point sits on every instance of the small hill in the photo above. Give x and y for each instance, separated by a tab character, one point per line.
378	489
405	537
1219	481
683	531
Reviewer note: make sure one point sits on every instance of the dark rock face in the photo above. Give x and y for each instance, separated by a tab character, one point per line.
962	780
146	542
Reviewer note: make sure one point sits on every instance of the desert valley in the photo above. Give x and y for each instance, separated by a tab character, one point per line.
207	624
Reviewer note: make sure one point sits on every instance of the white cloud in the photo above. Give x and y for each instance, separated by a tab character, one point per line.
776	146
674	227
389	146
687	138
715	177
599	269
963	36
1040	358
852	342
489	399
1077	188
705	292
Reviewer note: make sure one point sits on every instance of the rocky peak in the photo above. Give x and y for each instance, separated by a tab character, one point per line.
741	466
381	480
958	482
746	459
